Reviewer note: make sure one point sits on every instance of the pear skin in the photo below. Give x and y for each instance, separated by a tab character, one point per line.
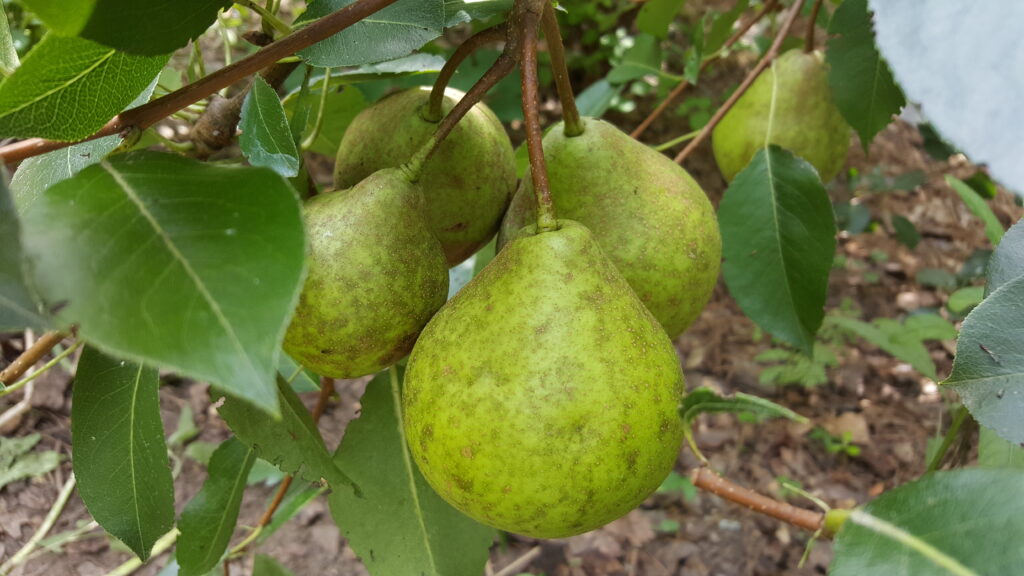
467	183
789	105
376	276
542	399
647	213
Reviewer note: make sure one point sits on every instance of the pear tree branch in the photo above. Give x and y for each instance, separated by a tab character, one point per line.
768	58
148	114
706	479
29	357
678	90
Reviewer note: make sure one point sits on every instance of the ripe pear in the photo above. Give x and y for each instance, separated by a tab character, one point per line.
542	399
789	105
650	217
376	276
467	183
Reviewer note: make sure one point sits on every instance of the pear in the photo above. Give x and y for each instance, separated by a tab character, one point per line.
650	217
789	105
542	399
469	180
376	276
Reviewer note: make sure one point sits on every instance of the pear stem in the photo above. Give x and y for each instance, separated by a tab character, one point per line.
433	112
706	479
529	21
811	25
678	90
768	58
570	113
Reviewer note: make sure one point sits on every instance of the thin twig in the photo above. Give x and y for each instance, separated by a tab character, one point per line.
679	89
768	58
570	113
811	25
148	114
30	356
44	528
433	112
954	429
520	563
705	479
42	370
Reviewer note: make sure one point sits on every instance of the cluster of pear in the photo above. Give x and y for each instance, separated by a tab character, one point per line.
542	399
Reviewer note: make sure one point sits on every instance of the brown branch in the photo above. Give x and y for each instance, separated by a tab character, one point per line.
148	114
811	25
527	14
678	90
29	357
570	113
706	479
433	112
745	85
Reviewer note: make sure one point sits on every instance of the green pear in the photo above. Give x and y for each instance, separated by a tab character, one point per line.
647	213
789	105
542	399
467	182
376	276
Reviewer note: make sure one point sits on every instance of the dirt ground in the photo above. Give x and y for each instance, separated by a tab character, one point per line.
888	410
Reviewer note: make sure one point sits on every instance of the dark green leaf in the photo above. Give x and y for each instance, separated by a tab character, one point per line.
778	239
38	173
988	371
705	400
400	525
906	232
936	278
965	299
68	88
390	33
118	450
977	205
983	185
209	518
994	452
8	55
955	61
18	306
642	59
340	108
962	522
301	379
721	27
656	15
267	566
695	53
266	139
292	443
170	261
854	218
862	84
130	25
17	461
886	337
459	11
1007	263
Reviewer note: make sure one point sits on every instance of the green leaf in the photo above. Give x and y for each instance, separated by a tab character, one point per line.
68	88
778	239
721	27
266	139
977	205
597	98
412	65
705	400
1007	263
965	299
340	108
459	11
656	15
292	443
961	522
988	371
17	461
957	63
906	232
18	306
909	350
642	59
394	31
209	518
400	525
38	173
296	499
148	28
267	566
118	450
170	261
8	55
862	84
994	452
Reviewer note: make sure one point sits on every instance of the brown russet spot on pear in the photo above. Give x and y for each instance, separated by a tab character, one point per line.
376	276
468	181
544	432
